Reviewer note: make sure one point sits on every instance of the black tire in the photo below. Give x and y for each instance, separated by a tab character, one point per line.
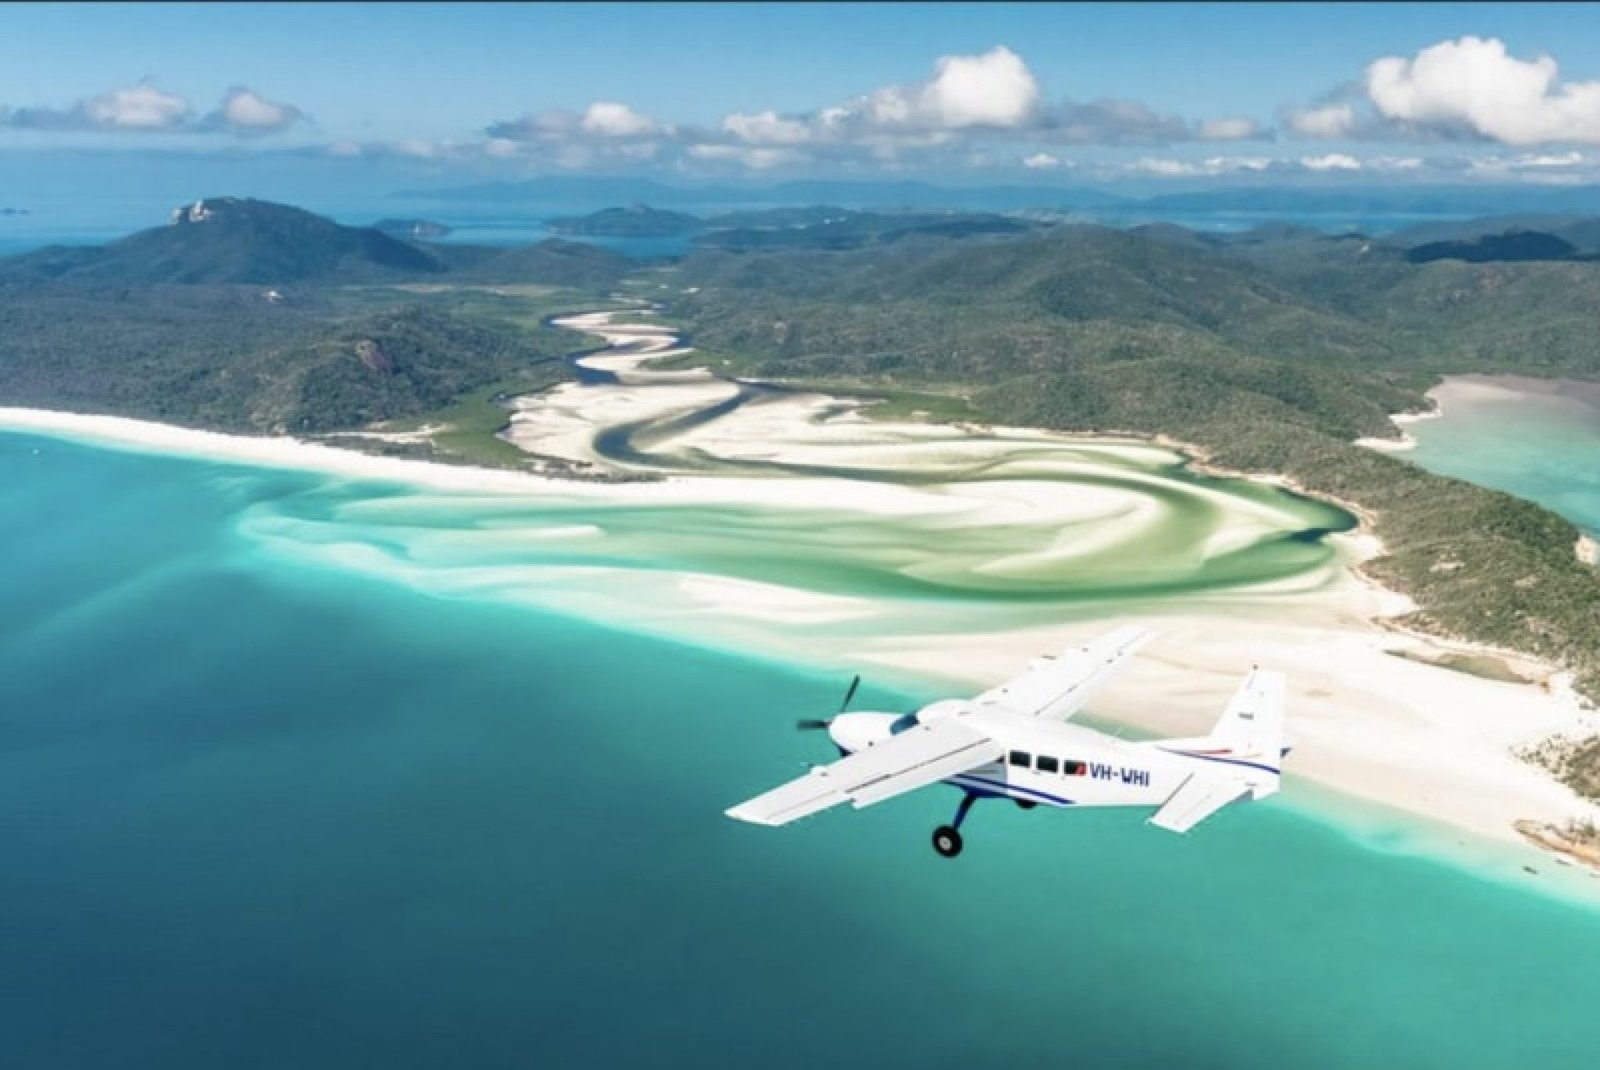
1027	804
947	841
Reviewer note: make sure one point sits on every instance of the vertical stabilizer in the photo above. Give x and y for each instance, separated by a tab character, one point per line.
1242	757
1251	729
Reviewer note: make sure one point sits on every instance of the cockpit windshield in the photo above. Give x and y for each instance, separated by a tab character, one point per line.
903	722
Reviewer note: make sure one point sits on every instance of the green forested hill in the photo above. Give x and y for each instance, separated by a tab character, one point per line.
1270	354
252	316
232	240
225	357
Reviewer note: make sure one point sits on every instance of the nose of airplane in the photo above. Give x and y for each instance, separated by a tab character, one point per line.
855	731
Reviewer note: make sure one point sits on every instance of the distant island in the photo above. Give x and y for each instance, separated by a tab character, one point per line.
634	221
1512	245
13	211
424	229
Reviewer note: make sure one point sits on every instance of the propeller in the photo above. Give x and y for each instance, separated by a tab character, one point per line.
812	724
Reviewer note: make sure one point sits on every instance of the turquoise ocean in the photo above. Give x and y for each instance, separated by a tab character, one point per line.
261	811
1537	440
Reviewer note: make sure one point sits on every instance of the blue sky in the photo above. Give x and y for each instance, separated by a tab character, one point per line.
1092	93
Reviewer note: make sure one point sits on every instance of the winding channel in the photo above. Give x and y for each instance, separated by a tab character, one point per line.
694	476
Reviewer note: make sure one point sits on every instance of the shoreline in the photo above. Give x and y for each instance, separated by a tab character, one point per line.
1406	441
1355	745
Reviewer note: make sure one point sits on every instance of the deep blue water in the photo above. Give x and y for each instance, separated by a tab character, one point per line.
259	813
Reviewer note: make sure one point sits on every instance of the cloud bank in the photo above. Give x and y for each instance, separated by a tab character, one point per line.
1467	89
965	104
147	108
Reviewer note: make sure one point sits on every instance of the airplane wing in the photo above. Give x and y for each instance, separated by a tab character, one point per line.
917	757
1197	799
1060	686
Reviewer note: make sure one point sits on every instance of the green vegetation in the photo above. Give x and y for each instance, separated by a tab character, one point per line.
226	357
179	324
230	240
1271	353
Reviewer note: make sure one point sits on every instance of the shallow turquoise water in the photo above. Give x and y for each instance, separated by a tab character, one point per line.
262	812
1537	446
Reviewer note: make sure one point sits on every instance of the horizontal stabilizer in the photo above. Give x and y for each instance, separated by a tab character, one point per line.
1197	799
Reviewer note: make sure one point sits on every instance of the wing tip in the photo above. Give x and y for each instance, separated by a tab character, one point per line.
744	812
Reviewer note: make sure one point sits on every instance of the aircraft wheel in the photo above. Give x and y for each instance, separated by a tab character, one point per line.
947	841
1027	804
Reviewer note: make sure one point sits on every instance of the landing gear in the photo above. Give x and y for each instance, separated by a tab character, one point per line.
947	838
947	841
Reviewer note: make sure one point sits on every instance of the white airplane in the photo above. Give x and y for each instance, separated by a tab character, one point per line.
1014	742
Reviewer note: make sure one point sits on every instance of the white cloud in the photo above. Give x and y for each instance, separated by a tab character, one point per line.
419	148
981	106
767	127
1211	166
1230	129
139	107
1565	159
993	89
1470	87
1217	165
1529	165
1474	84
757	158
501	148
1328	121
1164	167
607	118
148	108
1333	161
247	111
142	107
1042	161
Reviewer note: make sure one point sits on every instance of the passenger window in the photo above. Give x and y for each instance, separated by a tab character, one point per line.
1022	758
1047	765
1072	768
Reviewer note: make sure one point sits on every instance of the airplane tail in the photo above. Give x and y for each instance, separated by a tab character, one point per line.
1253	723
1243	755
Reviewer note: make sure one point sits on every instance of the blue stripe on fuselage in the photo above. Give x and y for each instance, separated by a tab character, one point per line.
1226	761
991	787
1000	787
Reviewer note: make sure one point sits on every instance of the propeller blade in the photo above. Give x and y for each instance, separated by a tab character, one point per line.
809	724
850	694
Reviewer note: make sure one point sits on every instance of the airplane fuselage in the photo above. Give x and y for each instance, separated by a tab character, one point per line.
1050	763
